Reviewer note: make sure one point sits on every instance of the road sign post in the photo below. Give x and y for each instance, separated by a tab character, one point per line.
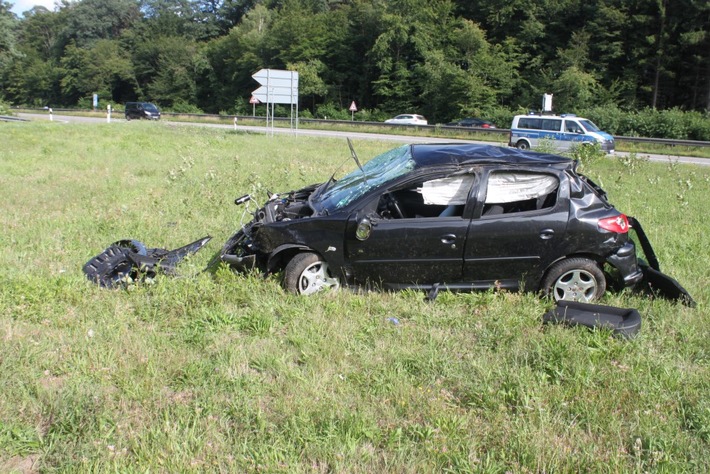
353	109
253	101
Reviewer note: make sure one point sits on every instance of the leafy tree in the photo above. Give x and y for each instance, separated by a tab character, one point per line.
467	77
90	20
33	81
443	58
403	42
8	27
309	80
189	18
104	69
41	31
234	58
574	89
172	66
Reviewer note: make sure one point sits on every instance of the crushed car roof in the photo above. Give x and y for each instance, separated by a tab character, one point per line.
430	154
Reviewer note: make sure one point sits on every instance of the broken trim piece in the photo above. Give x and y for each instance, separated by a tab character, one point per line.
624	322
130	260
654	281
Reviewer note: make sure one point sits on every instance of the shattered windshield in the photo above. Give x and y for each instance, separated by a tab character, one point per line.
378	171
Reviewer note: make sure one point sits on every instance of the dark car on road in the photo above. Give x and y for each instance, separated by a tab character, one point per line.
472	122
141	110
450	216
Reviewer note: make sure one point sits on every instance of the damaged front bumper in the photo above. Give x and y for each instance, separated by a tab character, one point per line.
130	260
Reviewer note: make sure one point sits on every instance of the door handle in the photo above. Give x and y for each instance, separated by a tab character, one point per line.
448	239
546	234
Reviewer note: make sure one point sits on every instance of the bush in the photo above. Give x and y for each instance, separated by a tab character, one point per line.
332	112
673	123
371	115
609	118
698	126
502	117
185	108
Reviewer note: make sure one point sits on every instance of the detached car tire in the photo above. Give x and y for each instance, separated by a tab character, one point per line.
307	273
575	279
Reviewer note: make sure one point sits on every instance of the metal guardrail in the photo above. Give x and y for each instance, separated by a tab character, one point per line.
8	118
663	141
501	131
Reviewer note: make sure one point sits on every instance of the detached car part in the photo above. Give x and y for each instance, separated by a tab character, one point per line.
621	321
654	281
130	260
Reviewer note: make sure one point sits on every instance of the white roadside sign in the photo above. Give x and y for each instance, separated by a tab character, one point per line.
277	86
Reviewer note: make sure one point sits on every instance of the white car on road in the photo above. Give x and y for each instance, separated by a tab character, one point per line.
408	119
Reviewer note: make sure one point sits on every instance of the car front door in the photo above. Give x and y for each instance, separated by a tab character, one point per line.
573	133
522	224
410	243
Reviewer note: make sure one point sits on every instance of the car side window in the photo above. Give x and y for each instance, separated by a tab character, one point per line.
572	127
441	197
513	192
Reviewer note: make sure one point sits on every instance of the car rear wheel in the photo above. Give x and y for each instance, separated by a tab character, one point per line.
306	274
522	145
575	279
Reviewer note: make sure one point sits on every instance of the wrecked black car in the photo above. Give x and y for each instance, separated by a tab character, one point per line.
430	216
445	216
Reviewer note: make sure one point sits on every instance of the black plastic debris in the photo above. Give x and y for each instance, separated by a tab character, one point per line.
661	285
623	322
654	281
130	260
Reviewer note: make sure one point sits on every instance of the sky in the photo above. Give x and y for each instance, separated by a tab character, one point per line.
20	6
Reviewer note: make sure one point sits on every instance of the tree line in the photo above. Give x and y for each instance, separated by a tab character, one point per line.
444	59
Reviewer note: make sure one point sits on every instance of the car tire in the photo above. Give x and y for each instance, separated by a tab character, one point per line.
574	279
306	273
522	145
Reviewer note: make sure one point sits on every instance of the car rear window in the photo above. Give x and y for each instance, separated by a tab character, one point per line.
509	192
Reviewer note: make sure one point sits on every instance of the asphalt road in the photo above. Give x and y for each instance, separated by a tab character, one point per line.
334	134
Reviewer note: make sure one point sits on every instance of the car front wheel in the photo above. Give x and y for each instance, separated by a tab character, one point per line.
306	274
575	279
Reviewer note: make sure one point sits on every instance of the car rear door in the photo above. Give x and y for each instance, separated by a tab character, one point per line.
516	240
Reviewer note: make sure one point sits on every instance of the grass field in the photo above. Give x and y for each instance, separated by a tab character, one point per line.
227	373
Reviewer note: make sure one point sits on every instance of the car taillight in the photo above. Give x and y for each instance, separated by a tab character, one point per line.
618	224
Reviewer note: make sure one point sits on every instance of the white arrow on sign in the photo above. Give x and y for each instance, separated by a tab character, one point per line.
263	74
279	82
276	95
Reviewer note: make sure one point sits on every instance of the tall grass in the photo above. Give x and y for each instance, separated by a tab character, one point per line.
225	372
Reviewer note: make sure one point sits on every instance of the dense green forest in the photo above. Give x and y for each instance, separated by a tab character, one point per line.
442	58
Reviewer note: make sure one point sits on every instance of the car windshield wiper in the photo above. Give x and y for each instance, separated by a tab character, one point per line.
325	186
354	155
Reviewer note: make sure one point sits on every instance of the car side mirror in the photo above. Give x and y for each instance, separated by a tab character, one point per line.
364	229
